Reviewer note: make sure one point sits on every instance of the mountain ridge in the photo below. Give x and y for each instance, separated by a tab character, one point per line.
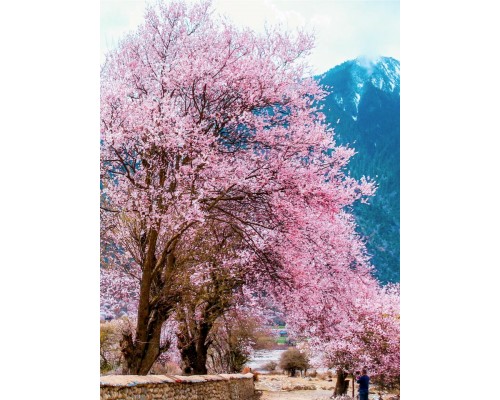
363	107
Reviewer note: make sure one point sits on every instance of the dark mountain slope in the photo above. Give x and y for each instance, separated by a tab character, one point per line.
364	108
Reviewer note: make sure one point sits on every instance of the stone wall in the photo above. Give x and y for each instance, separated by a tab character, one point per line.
176	387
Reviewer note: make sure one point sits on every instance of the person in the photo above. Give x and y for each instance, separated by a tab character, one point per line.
364	382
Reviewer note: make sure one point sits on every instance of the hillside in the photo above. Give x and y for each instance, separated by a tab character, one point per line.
363	108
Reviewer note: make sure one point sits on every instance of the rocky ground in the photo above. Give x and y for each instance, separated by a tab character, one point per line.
274	387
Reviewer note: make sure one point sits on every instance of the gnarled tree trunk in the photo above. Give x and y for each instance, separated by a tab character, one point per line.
197	316
139	356
193	347
157	300
342	384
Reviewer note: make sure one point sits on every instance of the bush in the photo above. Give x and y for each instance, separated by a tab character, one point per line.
325	376
270	366
109	348
313	374
168	368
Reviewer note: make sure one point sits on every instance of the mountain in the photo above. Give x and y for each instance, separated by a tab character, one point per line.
363	108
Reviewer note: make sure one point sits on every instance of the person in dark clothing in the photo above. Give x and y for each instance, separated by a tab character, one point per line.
364	382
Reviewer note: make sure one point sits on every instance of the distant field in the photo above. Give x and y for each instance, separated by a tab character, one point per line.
281	340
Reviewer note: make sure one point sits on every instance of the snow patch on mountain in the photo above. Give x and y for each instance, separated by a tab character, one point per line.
381	73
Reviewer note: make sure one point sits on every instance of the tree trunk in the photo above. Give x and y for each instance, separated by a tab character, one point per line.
202	349
188	354
193	335
200	367
194	350
156	303
139	356
342	384
194	361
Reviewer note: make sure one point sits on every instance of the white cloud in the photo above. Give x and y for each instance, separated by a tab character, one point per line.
344	29
119	17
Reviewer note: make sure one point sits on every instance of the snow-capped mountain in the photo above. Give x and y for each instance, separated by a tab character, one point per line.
363	108
351	79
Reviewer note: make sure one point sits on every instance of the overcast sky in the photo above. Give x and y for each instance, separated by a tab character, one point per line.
344	29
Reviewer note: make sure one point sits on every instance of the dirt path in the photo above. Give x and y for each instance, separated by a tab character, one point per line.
274	387
297	395
281	387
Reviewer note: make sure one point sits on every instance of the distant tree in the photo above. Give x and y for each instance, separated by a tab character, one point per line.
294	360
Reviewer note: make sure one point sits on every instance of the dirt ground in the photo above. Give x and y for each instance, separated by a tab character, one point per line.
274	387
297	395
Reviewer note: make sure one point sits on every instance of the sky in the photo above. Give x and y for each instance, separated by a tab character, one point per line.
344	29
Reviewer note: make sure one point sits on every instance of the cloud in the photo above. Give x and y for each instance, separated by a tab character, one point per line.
117	19
343	29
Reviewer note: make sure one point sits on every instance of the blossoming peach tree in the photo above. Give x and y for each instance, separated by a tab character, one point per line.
221	182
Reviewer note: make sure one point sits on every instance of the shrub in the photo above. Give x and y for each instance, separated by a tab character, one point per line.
109	348
325	376
270	366
168	368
